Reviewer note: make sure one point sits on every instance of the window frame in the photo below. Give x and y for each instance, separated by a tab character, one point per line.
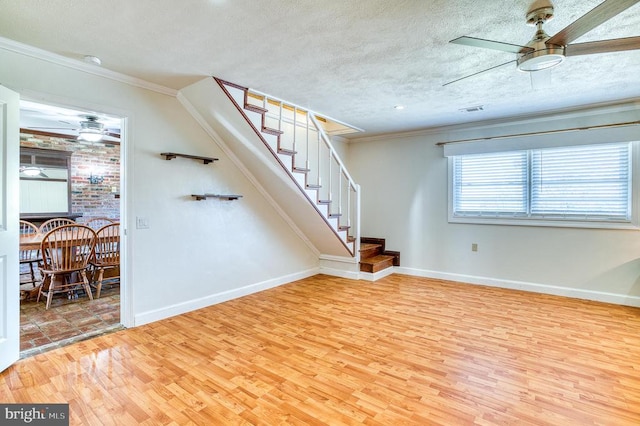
47	159
527	220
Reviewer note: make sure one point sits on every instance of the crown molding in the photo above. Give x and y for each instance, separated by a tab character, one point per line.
622	105
34	52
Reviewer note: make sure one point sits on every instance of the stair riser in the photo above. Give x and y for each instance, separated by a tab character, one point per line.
370	252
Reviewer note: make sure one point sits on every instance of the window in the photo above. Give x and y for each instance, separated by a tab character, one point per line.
567	186
45	182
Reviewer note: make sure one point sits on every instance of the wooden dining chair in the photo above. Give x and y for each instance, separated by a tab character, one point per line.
106	255
66	251
54	223
30	258
98	222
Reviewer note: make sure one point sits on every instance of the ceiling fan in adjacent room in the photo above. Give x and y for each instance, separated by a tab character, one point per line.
90	130
544	52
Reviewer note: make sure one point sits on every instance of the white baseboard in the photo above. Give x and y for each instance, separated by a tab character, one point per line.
339	273
348	268
340	259
192	305
375	276
578	293
339	266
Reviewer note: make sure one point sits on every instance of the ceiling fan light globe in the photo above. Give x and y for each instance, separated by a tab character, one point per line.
90	136
91	130
541	59
31	171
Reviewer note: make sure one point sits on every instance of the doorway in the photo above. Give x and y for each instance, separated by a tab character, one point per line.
84	188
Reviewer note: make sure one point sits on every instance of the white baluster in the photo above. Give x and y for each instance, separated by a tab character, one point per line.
295	128
306	163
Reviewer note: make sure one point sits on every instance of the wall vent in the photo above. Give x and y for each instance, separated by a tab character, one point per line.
473	108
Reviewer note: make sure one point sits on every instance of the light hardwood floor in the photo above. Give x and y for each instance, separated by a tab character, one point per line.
325	350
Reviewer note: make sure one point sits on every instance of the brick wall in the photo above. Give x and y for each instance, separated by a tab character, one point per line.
101	158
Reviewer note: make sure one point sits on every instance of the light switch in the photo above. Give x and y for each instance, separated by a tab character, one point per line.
142	222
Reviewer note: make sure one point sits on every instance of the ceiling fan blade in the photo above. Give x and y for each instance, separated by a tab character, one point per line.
479	72
603	46
596	16
51	128
490	44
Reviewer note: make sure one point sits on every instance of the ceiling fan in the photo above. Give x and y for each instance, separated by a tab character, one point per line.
90	130
544	52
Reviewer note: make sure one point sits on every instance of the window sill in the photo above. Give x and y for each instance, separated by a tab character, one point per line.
562	223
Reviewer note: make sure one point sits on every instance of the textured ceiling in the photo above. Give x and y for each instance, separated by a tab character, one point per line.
352	60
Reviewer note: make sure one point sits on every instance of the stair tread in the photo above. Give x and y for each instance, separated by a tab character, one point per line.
286	151
376	263
368	246
255	108
376	259
271	131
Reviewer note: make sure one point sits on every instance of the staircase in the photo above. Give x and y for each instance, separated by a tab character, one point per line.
374	257
288	152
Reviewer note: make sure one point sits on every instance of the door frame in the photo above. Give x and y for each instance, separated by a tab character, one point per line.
126	153
9	234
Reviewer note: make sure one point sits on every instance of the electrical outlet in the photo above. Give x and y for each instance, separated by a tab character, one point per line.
474	247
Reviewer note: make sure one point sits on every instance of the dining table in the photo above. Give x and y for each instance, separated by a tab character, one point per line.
31	241
34	241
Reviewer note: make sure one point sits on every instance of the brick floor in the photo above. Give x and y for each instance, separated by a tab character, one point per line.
67	321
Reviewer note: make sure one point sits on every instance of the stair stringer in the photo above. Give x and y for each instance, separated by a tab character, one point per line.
219	112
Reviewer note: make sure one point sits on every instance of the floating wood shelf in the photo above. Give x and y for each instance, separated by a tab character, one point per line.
172	155
220	196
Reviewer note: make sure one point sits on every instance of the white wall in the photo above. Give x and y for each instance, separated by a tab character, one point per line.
341	146
195	252
404	199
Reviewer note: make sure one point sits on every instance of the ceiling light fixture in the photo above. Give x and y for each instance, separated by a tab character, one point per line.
91	130
31	171
544	55
541	59
92	60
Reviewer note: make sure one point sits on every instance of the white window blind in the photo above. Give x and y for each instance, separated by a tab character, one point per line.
491	184
581	182
577	183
